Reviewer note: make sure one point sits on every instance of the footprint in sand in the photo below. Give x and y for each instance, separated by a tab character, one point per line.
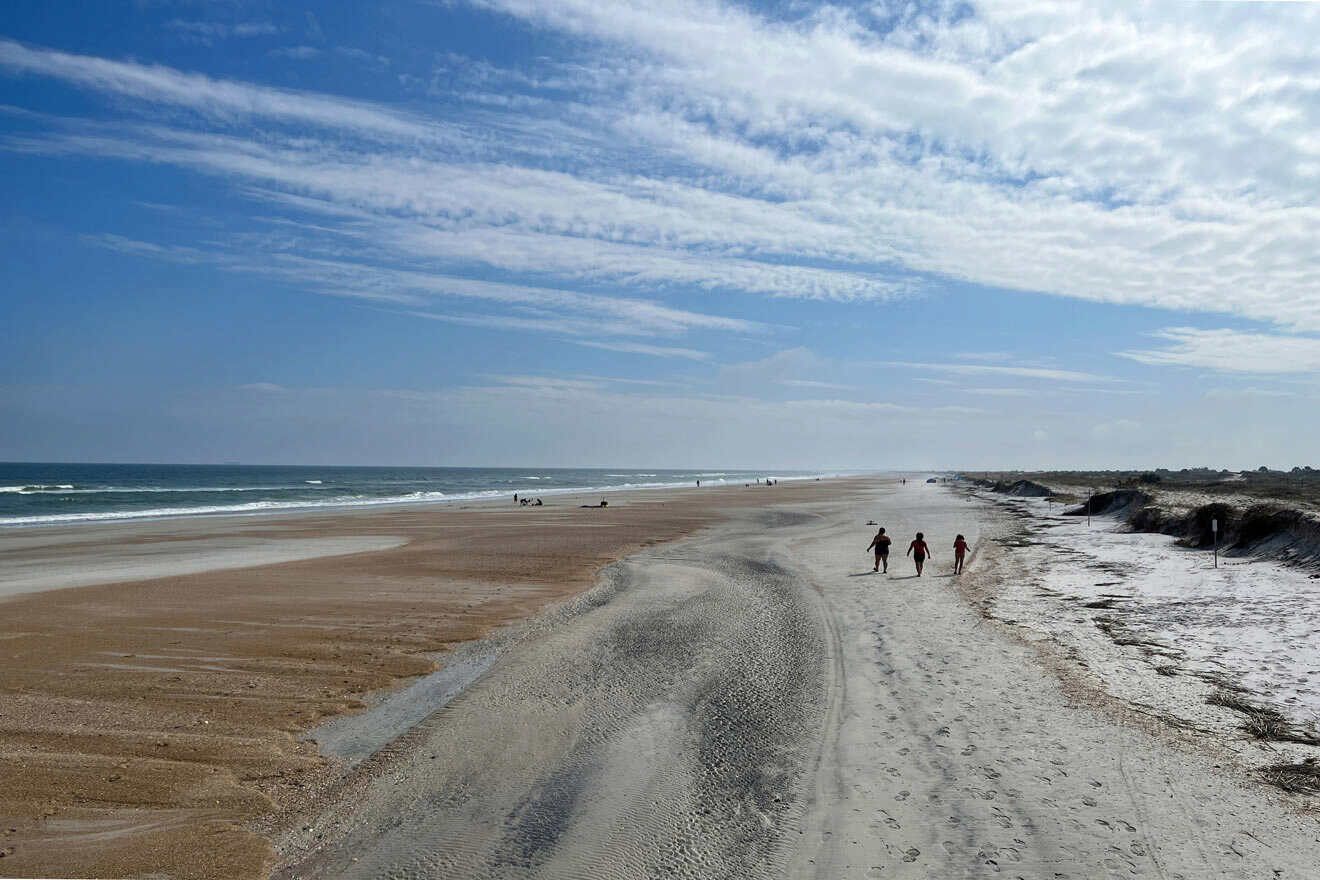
911	854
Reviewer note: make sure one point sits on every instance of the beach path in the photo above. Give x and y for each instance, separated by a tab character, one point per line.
754	702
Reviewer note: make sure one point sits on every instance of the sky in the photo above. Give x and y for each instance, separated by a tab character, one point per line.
679	233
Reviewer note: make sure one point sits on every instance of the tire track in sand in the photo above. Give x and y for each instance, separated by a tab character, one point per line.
663	732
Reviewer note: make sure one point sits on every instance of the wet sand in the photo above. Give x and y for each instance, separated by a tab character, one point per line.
147	725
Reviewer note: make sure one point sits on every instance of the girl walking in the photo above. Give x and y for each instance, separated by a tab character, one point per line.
918	551
959	551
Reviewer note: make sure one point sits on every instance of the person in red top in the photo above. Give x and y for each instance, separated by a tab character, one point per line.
959	551
918	551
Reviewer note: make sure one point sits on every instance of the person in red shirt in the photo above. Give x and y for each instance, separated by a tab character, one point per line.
918	551
959	551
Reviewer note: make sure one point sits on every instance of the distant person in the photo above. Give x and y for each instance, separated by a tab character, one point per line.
698	484
918	551
515	497
959	551
881	543
539	503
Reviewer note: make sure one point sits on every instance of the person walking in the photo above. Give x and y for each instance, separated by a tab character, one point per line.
959	551
918	551
881	543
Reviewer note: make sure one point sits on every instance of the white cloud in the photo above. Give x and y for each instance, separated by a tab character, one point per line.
557	311
988	370
810	383
654	350
207	32
1155	156
998	392
221	99
1233	351
299	53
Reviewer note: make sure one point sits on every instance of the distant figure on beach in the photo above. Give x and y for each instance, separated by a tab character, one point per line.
698	484
959	551
515	497
905	481
539	503
881	543
918	551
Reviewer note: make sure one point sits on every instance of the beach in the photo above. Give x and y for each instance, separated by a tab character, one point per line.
163	694
686	683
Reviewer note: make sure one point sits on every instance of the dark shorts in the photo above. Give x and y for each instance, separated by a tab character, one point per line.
918	557
884	552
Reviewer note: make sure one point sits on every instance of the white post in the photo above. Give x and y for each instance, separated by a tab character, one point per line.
1214	528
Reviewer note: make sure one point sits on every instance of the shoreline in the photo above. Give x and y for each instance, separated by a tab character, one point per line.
175	707
297	508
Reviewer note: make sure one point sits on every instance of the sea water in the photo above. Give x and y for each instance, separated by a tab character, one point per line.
36	494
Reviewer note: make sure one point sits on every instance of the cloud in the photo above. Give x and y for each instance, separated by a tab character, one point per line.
988	370
1253	391
809	383
300	53
1161	156
207	32
217	98
556	311
1232	351
654	350
999	392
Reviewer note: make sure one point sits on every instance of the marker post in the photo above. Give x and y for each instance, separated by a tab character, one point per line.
1214	529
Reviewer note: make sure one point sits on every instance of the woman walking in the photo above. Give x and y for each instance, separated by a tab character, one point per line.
918	551
881	543
959	551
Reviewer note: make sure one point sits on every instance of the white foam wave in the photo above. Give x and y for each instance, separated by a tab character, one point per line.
36	487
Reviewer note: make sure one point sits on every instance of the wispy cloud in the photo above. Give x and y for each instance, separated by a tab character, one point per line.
685	146
207	32
300	53
653	350
811	383
217	98
1232	351
1047	374
547	310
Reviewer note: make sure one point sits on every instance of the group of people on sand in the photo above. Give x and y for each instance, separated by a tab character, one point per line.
527	502
919	550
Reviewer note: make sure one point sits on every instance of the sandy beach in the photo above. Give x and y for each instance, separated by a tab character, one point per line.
701	684
158	674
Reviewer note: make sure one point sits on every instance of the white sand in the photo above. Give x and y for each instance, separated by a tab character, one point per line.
753	702
1250	622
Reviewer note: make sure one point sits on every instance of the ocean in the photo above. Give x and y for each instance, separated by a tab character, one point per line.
37	494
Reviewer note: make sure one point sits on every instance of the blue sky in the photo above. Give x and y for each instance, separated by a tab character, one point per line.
689	233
